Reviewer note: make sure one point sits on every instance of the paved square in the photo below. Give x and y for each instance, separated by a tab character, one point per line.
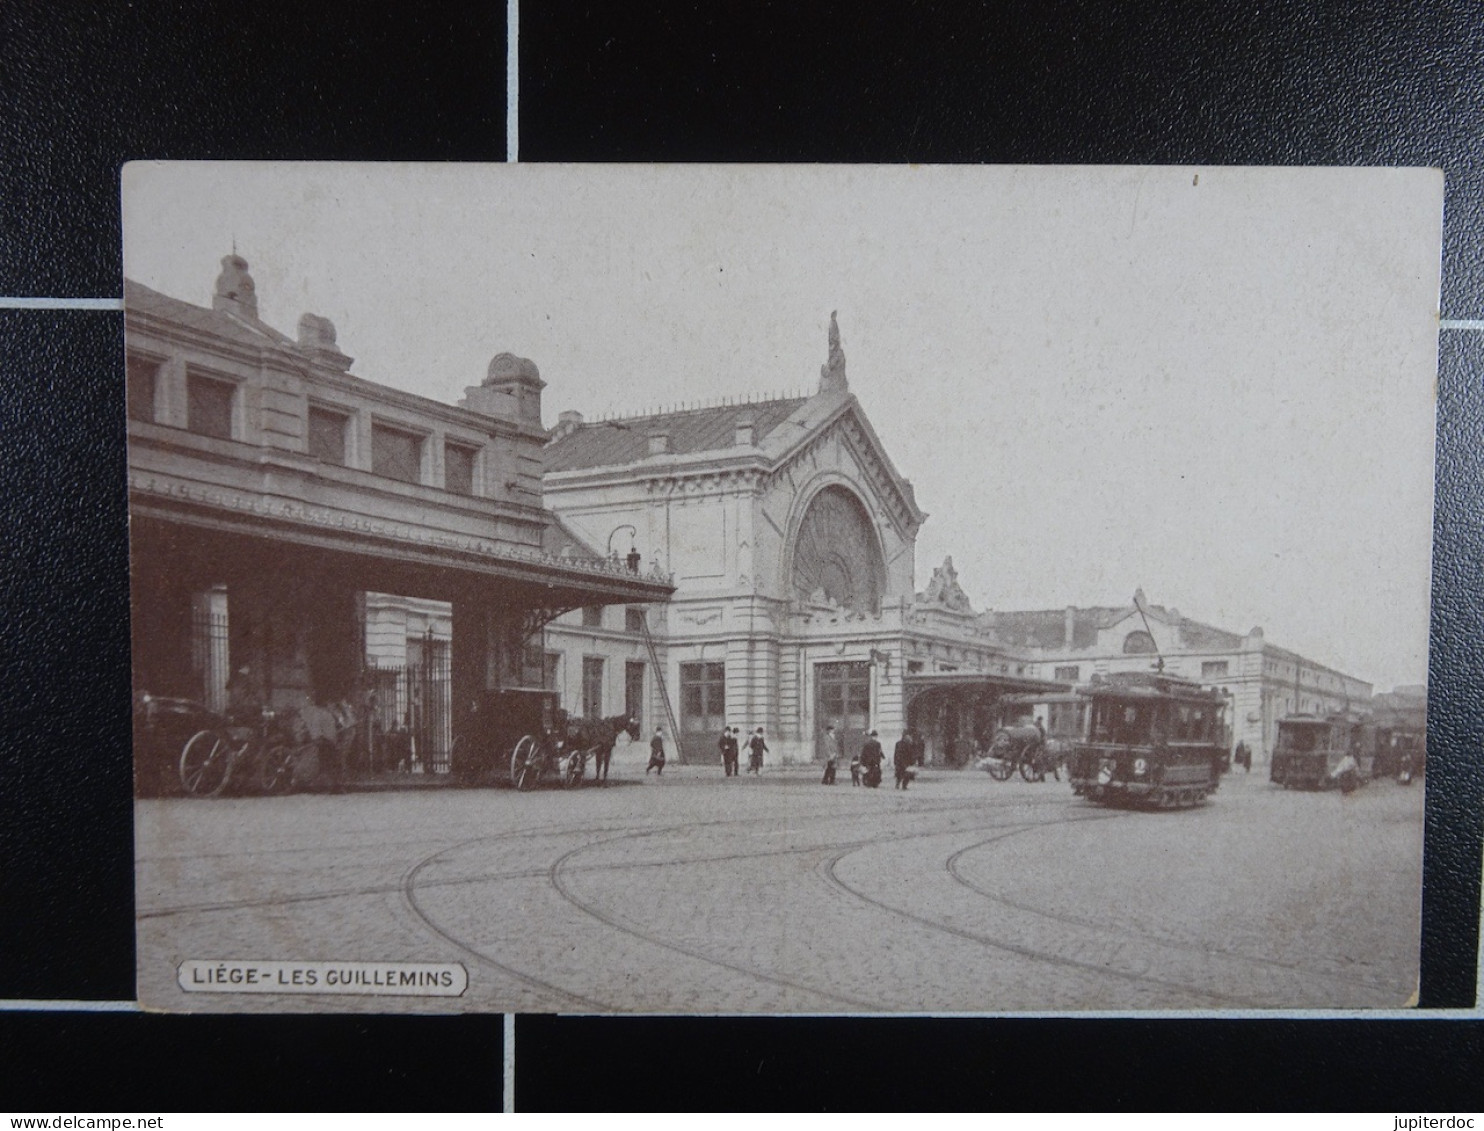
696	893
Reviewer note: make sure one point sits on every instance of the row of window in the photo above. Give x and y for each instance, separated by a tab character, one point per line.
396	453
633	619
593	668
1072	673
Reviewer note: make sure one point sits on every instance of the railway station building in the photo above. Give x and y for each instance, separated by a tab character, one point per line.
285	511
791	538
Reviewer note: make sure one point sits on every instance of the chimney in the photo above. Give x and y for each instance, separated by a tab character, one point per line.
659	442
742	438
1069	627
317	339
567	423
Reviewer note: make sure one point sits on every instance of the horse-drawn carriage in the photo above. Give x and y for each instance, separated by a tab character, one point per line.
1021	747
1020	744
525	730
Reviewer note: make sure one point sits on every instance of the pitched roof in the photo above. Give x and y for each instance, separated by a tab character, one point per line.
609	443
1046	628
249	331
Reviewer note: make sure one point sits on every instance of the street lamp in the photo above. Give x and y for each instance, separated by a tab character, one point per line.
633	556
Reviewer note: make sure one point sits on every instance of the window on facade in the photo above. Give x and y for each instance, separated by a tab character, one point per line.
1069	674
140	377
1213	668
592	687
914	666
703	698
592	616
533	662
327	435
209	406
458	469
1139	643
396	454
633	620
633	691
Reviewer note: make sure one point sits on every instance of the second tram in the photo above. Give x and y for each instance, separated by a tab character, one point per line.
1310	747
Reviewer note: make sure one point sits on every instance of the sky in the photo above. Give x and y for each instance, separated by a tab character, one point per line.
1215	384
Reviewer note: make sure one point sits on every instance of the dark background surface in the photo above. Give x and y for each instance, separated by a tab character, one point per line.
84	88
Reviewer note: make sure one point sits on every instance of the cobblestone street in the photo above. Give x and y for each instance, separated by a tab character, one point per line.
695	893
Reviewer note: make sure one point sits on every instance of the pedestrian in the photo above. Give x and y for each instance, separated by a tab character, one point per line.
855	770
1242	756
903	757
919	748
730	749
657	753
831	756
756	749
871	758
1346	773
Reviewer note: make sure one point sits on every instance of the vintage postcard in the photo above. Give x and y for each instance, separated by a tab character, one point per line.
737	589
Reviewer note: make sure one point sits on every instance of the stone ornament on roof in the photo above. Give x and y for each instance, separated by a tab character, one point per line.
506	367
945	590
235	290
832	373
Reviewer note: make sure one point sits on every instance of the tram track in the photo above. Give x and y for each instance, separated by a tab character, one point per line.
954	870
554	873
999	816
829	872
562	867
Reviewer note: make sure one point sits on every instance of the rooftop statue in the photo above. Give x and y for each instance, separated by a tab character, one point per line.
832	374
945	590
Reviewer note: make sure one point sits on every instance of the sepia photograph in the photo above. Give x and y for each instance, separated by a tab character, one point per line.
694	589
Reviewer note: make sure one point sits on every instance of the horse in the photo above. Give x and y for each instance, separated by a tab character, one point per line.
328	732
597	737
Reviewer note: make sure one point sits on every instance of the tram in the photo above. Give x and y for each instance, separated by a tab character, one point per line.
1309	747
1400	751
1151	739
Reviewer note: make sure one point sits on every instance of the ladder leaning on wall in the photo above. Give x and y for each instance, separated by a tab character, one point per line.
659	680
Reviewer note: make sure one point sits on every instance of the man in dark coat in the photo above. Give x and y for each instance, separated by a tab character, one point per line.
730	751
657	754
757	747
903	758
871	758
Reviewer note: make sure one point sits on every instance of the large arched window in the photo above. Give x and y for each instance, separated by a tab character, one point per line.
837	555
1139	643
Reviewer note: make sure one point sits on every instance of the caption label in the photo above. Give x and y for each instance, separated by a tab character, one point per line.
396	979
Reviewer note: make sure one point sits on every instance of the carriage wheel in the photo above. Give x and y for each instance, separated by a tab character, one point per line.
206	764
276	769
1030	770
1000	768
525	764
574	769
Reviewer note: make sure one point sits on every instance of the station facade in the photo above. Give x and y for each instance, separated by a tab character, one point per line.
750	563
791	538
